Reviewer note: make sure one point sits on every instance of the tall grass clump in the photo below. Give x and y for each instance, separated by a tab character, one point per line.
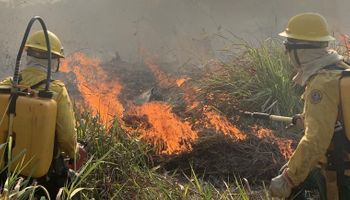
259	79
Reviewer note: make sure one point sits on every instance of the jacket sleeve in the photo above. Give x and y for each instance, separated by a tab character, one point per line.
65	124
320	114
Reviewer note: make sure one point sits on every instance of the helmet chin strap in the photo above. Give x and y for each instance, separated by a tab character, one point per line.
58	65
296	57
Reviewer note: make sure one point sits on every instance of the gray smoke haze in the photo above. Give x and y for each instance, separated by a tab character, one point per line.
177	30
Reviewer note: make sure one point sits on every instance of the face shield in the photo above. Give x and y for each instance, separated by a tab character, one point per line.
39	59
42	63
300	51
309	57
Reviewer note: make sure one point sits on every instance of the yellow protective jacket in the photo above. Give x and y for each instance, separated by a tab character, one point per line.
321	111
66	137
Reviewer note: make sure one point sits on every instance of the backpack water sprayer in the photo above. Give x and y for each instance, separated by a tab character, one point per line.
28	121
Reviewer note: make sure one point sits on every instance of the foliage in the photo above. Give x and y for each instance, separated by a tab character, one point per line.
260	78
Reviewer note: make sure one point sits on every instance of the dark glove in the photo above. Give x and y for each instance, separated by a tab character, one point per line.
298	121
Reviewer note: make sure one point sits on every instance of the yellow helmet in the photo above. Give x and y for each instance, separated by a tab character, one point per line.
37	41
308	27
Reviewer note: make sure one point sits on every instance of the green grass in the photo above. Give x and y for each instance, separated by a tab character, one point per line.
259	78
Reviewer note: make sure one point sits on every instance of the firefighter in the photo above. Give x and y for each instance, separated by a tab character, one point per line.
33	75
322	147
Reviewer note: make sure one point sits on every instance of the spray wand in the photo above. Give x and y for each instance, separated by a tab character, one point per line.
266	116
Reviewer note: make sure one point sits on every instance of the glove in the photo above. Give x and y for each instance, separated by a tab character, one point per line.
298	121
280	186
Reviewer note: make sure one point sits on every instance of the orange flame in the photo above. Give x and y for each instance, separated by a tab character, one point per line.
98	92
285	145
163	79
222	124
345	40
167	132
181	81
190	98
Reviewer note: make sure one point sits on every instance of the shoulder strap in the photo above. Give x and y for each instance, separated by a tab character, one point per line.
36	85
333	67
342	65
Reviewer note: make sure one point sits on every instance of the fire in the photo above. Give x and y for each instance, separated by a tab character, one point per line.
285	145
181	81
163	79
98	91
345	40
222	124
155	121
190	98
166	131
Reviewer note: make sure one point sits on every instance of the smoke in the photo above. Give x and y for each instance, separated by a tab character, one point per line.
178	30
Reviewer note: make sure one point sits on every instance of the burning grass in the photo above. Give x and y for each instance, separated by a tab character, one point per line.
127	170
187	131
162	128
99	91
223	125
